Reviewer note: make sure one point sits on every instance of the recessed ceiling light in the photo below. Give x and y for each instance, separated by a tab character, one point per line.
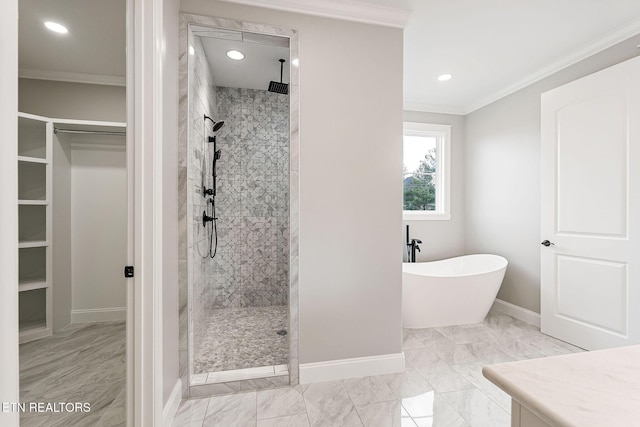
55	27
235	54
444	77
192	51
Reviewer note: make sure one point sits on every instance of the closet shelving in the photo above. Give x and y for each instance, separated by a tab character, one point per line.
34	226
35	217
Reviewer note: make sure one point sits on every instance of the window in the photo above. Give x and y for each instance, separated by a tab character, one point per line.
425	175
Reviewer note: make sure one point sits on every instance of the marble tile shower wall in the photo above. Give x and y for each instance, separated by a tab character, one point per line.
252	265
201	268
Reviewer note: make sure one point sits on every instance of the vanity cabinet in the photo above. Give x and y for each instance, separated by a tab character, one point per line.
595	389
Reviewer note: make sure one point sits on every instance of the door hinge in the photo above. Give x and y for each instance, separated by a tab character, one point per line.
128	271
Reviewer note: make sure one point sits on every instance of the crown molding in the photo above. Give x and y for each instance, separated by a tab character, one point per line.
347	10
66	76
611	39
433	108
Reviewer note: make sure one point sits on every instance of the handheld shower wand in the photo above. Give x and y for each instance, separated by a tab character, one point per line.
217	125
216	156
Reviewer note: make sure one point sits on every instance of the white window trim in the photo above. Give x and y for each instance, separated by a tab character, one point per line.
443	171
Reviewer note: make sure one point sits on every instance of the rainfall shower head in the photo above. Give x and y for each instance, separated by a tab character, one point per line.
280	87
216	125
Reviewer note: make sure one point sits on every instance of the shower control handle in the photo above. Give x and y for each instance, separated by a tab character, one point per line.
547	243
206	218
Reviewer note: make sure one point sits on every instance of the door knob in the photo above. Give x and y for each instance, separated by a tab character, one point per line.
547	243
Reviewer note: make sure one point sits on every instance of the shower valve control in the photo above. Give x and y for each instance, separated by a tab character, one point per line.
128	271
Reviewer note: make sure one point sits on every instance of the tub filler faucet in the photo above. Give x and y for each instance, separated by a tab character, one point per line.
412	247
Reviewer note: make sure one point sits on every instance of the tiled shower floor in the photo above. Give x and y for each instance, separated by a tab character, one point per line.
239	338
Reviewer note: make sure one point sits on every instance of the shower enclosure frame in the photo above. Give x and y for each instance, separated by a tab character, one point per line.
190	389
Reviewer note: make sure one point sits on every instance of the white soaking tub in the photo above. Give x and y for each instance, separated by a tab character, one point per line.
454	291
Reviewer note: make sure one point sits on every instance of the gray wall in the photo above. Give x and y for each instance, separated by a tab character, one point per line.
350	174
443	238
98	196
63	100
502	177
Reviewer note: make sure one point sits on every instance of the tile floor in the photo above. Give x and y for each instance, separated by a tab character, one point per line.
239	338
81	363
442	386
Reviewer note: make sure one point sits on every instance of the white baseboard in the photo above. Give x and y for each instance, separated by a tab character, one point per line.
351	368
99	315
171	407
519	313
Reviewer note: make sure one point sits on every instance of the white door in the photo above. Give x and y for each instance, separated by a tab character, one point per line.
590	270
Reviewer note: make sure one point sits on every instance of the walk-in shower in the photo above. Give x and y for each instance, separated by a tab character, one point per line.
237	240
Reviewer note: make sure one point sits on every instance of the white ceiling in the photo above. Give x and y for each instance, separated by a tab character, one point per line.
94	48
259	66
491	47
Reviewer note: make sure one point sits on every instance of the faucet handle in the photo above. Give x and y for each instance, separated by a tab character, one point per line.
416	240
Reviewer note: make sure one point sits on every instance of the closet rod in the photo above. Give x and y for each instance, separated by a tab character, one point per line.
101	132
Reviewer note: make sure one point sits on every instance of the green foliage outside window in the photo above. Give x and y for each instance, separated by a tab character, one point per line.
419	185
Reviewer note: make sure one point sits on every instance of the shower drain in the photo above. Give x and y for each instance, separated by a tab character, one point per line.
282	332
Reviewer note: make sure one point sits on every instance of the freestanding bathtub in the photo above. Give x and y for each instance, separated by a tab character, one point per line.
454	291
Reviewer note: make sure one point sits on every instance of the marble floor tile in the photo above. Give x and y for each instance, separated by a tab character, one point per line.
516	347
547	345
452	353
418	338
488	353
280	402
232	410
381	414
432	410
485	334
288	421
436	371
405	418
368	390
473	373
421	405
406	384
459	334
328	404
477	409
440	420
191	413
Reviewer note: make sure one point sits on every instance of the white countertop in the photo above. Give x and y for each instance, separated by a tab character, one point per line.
590	389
